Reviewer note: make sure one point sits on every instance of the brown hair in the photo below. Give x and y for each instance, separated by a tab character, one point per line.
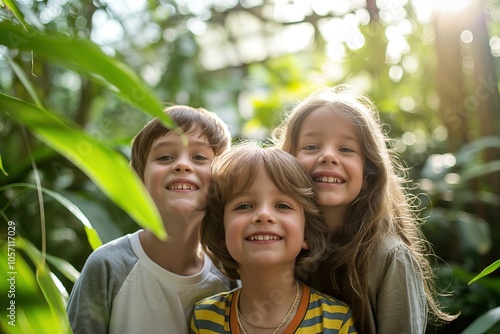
236	170
385	206
190	120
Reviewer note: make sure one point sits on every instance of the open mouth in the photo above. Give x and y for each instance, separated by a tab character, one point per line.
328	179
263	237
182	186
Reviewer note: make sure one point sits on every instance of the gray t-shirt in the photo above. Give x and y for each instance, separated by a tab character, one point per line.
121	290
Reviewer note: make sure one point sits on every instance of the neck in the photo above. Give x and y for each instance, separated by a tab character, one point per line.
268	302
334	216
181	255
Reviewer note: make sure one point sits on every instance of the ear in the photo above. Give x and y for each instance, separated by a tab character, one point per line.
369	171
370	168
305	245
364	186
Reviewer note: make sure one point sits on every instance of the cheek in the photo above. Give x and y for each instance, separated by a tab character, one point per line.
231	236
150	177
305	243
234	225
305	161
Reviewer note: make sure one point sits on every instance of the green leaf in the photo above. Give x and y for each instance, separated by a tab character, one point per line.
23	78
475	232
488	270
64	267
45	280
480	169
92	236
51	287
484	322
32	313
107	168
87	58
1	167
17	13
470	151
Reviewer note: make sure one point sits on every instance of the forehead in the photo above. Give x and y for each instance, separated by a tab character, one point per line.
187	139
327	120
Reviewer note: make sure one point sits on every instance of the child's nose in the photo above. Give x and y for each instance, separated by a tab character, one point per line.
329	155
182	164
264	216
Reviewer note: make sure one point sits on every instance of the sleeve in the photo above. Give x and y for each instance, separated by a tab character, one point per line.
89	304
348	324
194	326
401	302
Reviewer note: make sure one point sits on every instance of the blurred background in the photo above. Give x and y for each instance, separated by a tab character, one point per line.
431	67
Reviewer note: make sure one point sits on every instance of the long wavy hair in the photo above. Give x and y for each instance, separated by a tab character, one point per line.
384	207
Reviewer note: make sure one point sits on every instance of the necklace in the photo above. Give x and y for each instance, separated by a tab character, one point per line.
278	326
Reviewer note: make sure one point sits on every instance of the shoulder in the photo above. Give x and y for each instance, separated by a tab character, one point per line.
319	298
215	272
394	263
112	248
222	298
112	256
392	249
218	303
329	311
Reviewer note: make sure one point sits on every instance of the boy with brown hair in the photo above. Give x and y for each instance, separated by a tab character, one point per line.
139	283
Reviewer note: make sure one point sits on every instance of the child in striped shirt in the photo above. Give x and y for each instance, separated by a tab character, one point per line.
263	227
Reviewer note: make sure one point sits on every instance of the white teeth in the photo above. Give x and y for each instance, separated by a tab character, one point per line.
182	186
261	237
328	179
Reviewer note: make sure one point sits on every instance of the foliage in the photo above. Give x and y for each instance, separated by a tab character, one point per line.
102	164
489	319
488	270
93	73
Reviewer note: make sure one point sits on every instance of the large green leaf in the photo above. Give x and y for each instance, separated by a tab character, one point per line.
484	322
49	285
107	168
52	295
92	235
29	310
87	58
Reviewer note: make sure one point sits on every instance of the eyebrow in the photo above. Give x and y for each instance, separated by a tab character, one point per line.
167	143
343	136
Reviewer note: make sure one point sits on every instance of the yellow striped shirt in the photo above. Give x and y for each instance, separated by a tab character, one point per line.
316	313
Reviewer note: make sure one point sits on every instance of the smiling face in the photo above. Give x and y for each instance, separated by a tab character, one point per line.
330	151
177	175
263	226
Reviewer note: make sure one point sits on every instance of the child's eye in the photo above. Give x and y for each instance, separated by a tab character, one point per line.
311	147
283	206
165	158
200	157
244	206
346	149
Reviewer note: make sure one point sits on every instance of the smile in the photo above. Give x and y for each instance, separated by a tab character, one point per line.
181	186
262	237
328	179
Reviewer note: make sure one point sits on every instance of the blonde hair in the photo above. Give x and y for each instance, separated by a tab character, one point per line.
235	171
384	207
